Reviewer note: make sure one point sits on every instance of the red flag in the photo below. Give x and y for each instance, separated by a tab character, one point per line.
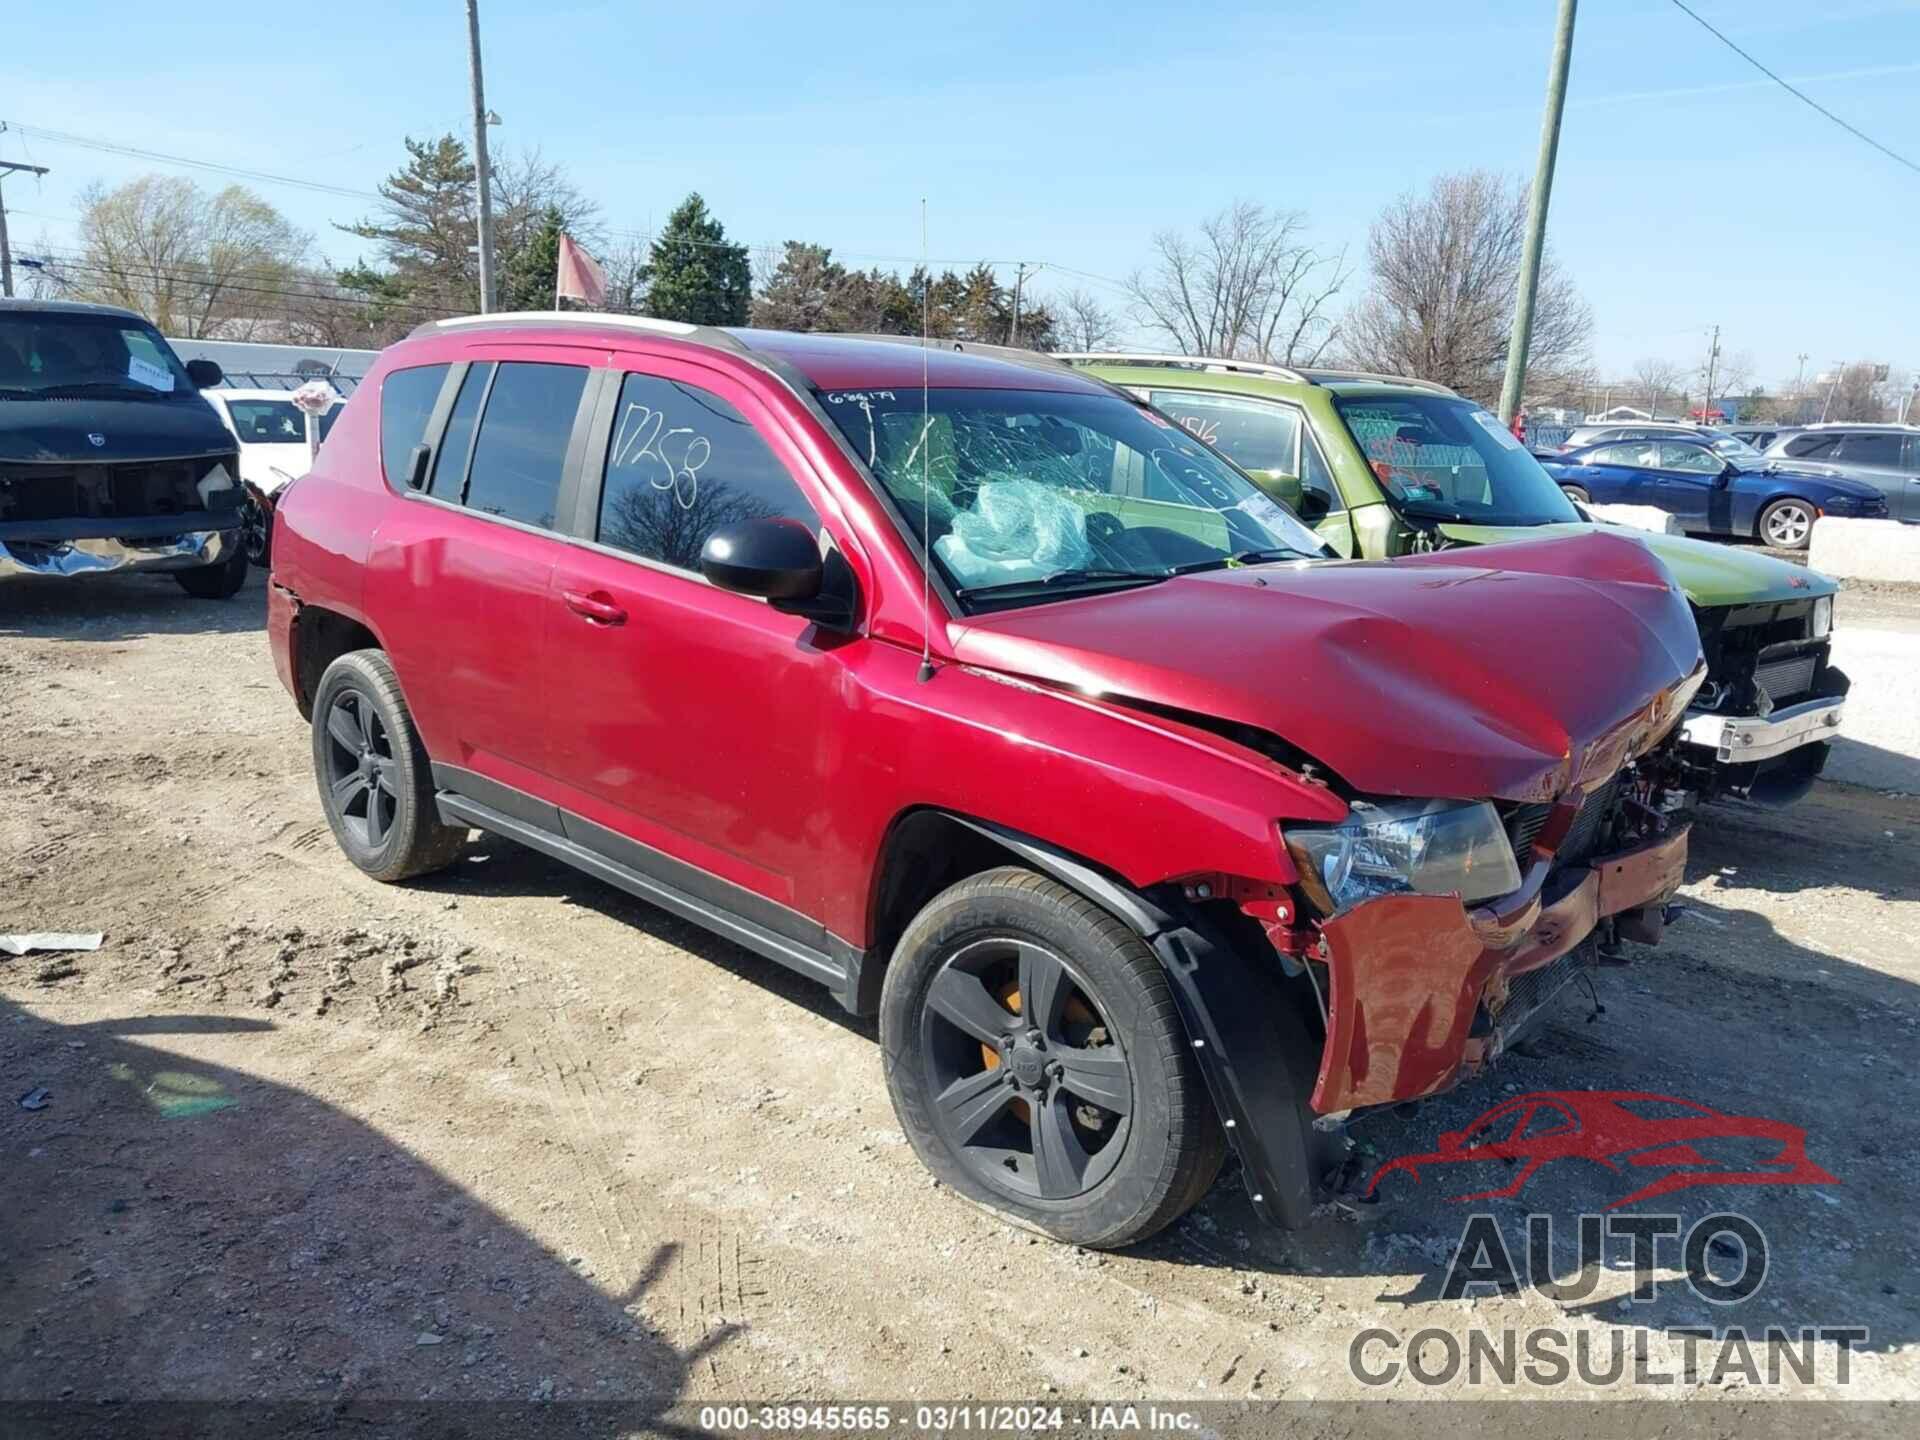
578	276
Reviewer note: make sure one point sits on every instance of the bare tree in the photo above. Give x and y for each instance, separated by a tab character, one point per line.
198	266
1248	286
1857	392
1446	274
1083	323
526	188
1656	379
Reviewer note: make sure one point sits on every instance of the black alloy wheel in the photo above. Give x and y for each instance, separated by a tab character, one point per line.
1030	1085
360	767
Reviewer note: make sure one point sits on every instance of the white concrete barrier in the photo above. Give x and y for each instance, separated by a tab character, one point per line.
1640	517
1865	549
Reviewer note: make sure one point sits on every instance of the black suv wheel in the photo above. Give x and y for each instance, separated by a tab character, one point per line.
221	581
376	784
1036	1061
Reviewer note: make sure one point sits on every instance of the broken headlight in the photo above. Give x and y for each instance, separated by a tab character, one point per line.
1397	847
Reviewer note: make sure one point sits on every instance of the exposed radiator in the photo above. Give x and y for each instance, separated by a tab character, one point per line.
1786	679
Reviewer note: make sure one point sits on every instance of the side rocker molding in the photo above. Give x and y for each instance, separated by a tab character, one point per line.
1252	1045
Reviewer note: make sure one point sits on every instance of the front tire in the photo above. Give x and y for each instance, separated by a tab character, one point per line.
1038	1066
219	581
1787	524
1577	493
256	530
376	783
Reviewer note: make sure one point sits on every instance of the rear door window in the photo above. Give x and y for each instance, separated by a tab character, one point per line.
682	463
406	404
520	451
1251	433
1880	448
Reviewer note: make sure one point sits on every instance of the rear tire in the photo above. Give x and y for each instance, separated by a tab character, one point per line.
220	581
1786	524
1100	1132
1577	493
376	783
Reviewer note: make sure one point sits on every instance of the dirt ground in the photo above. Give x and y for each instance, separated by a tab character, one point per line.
507	1134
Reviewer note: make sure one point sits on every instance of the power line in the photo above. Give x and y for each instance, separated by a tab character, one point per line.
265	177
1797	93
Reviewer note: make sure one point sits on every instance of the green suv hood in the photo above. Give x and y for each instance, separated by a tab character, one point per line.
1712	574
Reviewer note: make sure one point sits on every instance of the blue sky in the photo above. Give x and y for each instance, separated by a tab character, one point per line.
1690	190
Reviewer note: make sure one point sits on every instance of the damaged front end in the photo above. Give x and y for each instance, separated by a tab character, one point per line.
89	519
1419	991
1763	723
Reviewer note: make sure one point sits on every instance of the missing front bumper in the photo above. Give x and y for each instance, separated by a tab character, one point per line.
117	554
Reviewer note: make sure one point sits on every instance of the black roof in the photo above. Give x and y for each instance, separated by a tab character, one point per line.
69	307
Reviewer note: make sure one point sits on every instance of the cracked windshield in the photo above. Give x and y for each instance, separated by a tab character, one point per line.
1024	493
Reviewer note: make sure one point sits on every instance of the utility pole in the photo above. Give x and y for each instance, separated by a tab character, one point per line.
1522	336
8	167
1713	363
481	170
1019	278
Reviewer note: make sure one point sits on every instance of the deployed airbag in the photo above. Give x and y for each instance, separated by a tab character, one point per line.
1016	530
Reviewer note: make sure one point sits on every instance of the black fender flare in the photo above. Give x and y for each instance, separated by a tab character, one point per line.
1252	1044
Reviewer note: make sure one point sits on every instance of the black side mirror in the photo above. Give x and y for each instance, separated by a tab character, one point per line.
419	461
205	374
779	561
1313	507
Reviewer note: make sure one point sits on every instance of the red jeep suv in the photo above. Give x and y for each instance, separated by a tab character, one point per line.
998	704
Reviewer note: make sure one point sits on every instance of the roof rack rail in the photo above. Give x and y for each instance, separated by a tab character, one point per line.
1320	375
670	329
1014	354
1182	362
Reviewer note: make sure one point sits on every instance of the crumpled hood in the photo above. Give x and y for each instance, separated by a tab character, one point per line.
1712	574
39	432
1461	674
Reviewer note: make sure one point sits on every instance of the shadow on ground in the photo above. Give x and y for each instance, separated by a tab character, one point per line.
179	1230
123	607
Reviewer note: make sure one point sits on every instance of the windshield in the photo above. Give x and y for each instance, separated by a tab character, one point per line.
1439	457
1736	450
50	353
1034	495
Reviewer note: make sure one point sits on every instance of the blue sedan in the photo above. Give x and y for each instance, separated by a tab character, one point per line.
1714	487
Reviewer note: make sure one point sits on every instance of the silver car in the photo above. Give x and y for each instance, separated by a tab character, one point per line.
1884	456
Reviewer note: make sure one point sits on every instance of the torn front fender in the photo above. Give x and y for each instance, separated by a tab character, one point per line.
1408	974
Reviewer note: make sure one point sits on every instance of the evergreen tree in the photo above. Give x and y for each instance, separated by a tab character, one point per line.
694	274
425	231
804	291
528	280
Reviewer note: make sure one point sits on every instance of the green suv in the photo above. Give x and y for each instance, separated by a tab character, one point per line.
1383	466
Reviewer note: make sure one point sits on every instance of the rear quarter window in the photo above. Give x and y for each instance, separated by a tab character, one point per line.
406	404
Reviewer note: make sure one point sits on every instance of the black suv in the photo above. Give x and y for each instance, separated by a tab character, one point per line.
110	460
